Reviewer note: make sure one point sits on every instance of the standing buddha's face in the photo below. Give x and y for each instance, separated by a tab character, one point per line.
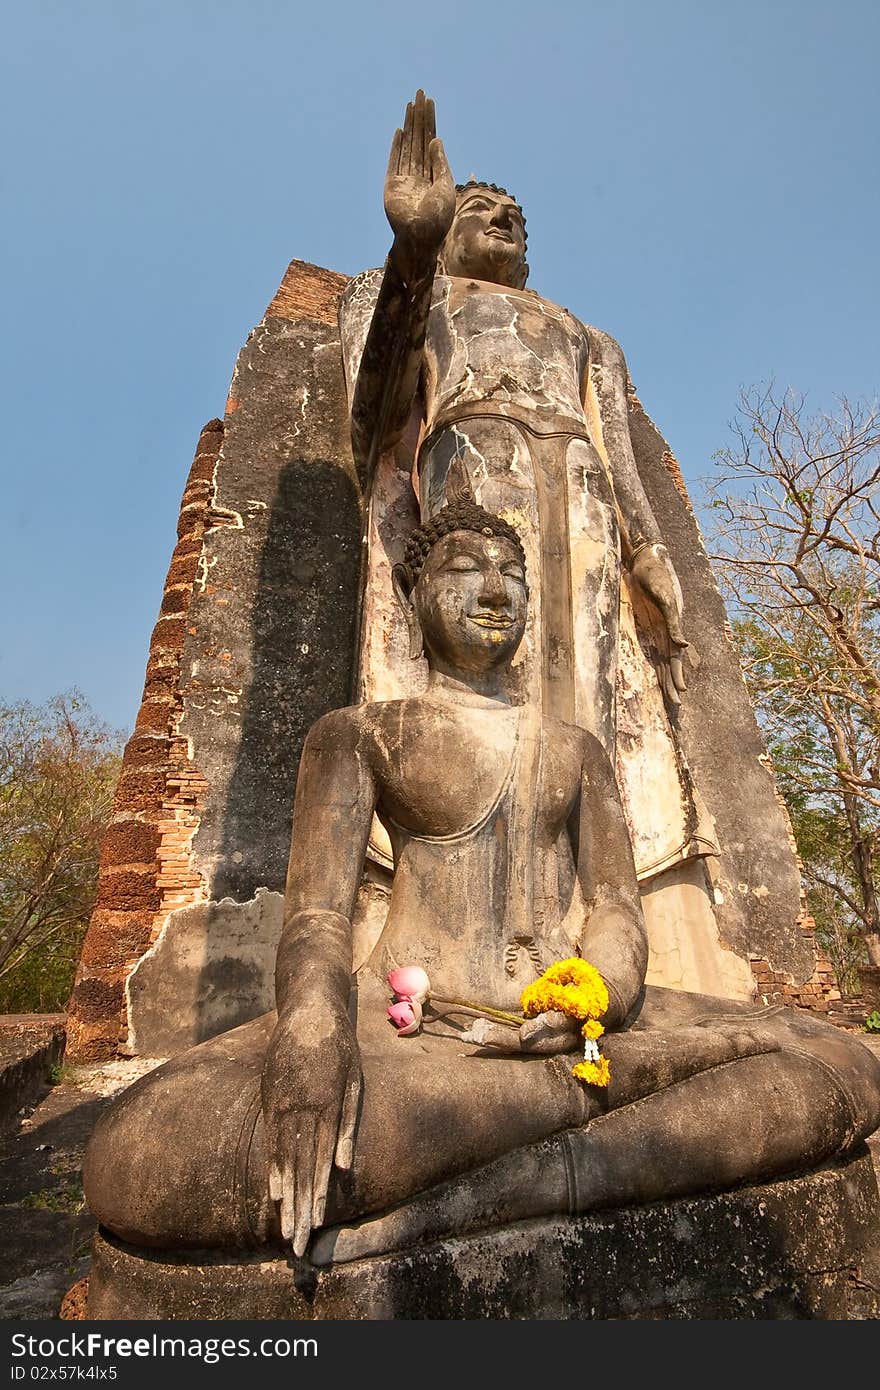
487	239
470	599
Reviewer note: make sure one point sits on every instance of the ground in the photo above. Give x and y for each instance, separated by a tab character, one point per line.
45	1230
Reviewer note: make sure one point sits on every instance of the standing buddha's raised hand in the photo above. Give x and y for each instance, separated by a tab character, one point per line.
419	192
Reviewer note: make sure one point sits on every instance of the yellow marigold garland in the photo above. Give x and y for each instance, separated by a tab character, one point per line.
596	1073
592	1029
575	988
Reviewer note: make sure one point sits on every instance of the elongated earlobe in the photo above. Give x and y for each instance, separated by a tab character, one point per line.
416	641
403	584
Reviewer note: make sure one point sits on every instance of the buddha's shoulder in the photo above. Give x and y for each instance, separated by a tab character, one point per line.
562	729
377	718
563	734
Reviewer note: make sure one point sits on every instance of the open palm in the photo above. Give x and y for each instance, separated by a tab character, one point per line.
419	189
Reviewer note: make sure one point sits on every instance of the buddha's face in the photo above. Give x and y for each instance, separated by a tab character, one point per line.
487	239
470	600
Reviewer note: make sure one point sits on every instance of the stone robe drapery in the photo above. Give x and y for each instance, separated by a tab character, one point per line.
508	390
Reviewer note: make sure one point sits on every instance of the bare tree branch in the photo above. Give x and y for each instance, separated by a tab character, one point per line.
794	534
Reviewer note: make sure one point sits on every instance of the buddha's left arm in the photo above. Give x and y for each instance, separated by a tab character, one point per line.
610	378
647	556
614	938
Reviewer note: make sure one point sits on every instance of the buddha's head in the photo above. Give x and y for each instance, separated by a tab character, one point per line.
462	586
487	239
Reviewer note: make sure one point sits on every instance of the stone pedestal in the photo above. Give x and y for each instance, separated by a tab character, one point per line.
808	1247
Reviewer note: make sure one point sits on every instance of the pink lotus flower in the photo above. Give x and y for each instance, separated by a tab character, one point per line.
406	1015
409	982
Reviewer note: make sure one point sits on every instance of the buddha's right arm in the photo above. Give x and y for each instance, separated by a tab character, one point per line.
335	798
419	198
388	377
614	939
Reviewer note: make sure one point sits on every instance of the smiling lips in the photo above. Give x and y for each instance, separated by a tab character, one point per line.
492	620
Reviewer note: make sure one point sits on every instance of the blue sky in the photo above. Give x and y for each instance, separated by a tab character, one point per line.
700	180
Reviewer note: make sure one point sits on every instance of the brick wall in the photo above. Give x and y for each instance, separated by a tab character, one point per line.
817	993
145	869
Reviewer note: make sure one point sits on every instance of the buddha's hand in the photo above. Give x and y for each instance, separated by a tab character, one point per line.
419	192
543	1035
652	568
311	1086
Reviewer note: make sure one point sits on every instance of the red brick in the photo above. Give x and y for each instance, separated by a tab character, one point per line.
183	570
176	601
187	545
129	842
168	634
115	938
155	717
129	891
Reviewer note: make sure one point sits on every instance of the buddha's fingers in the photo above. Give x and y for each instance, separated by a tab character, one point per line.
407	144
419	162
483	1032
394	157
430	125
276	1183
323	1164
305	1179
439	164
676	671
348	1121
550	1033
288	1192
669	687
275	1149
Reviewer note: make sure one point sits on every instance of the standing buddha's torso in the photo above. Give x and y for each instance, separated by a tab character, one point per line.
509	349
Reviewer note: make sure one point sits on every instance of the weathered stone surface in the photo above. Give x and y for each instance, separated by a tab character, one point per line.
756	876
796	1249
271	627
211	968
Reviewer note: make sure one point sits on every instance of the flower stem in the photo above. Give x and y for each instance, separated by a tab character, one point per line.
481	1010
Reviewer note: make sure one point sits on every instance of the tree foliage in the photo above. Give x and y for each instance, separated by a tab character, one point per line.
795	538
58	769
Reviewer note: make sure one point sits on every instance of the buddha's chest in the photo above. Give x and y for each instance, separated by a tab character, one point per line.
487	330
466	774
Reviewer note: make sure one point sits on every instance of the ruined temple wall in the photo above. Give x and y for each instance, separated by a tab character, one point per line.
254	641
145	867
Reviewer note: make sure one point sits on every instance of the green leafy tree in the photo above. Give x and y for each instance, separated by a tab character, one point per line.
794	533
58	770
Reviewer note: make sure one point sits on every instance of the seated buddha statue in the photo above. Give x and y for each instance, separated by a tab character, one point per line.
320	1126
